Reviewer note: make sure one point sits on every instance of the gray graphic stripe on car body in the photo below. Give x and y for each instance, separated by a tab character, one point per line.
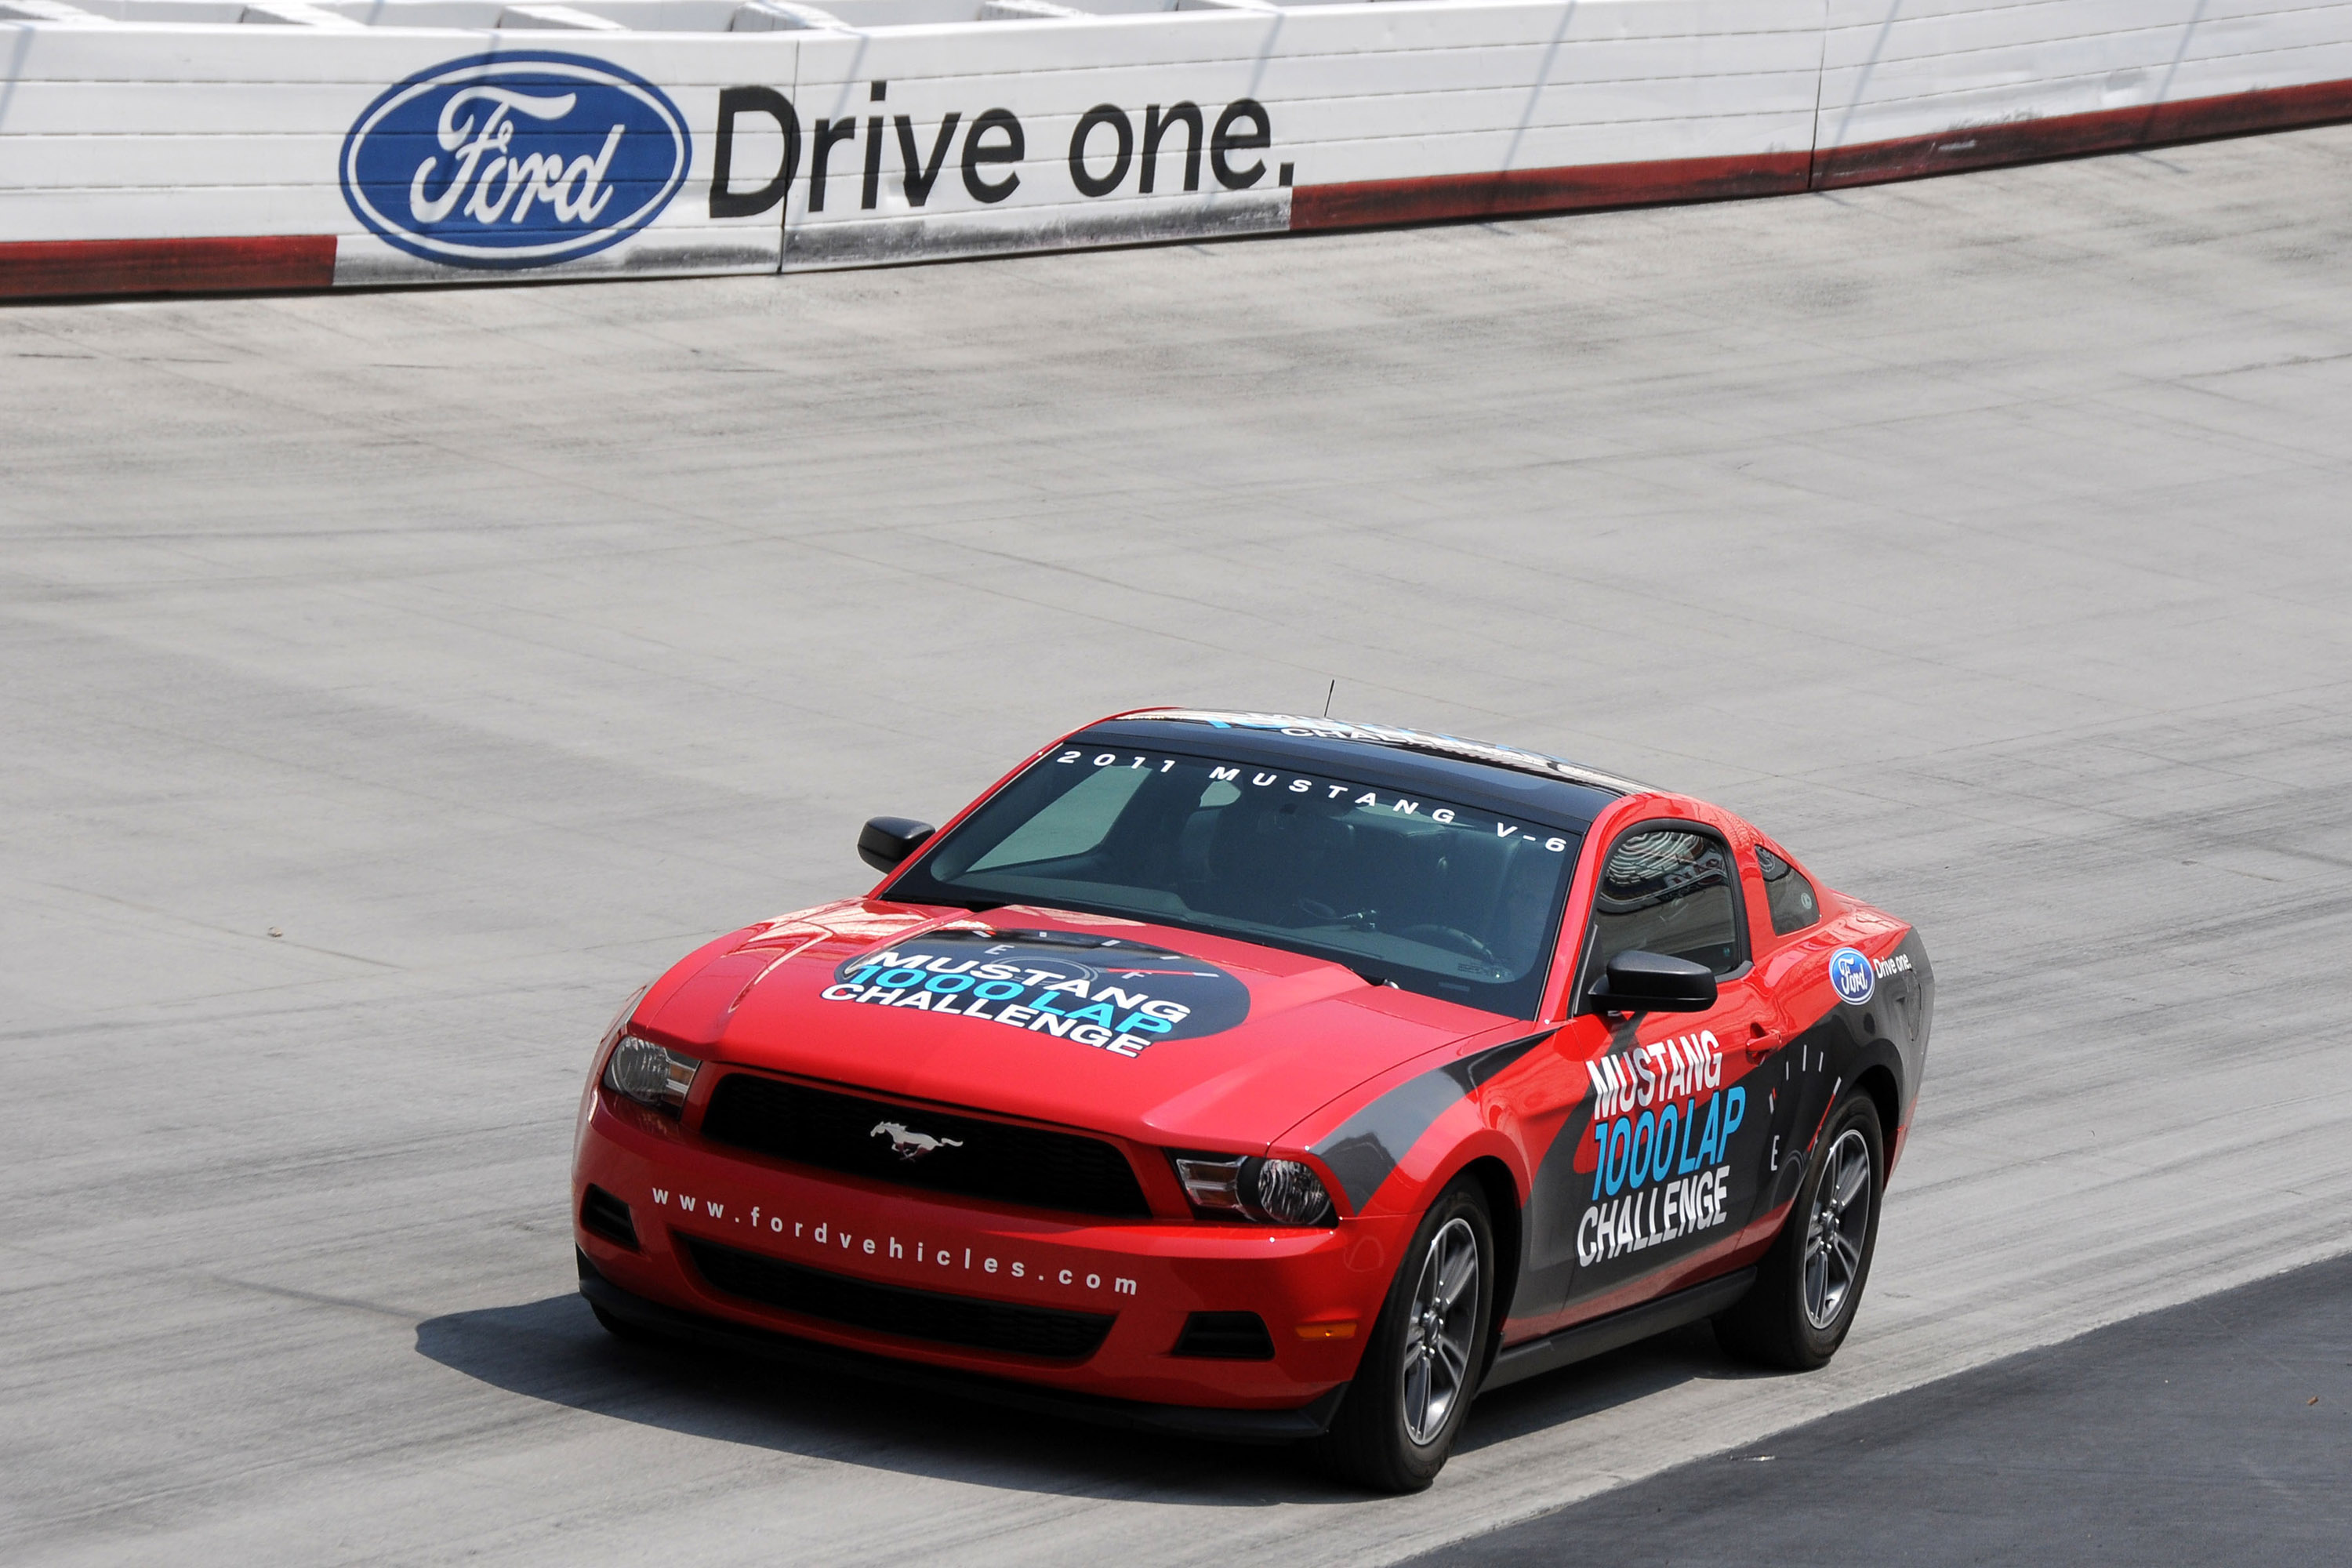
1364	1149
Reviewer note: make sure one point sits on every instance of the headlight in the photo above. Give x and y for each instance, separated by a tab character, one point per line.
650	1074
1289	1193
1272	1192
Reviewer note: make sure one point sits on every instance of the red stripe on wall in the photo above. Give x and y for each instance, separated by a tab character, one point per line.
48	269
2070	135
1371	202
1712	179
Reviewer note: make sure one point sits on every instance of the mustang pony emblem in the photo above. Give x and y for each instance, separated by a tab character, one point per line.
912	1145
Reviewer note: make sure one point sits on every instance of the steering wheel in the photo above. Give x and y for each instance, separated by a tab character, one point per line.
1451	937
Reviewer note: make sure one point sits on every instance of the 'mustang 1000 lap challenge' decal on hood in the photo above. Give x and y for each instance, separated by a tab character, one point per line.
1113	995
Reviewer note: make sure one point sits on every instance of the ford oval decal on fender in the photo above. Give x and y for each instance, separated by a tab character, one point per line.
515	159
1851	973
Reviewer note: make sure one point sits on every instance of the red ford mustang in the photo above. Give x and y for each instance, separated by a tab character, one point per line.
1268	1078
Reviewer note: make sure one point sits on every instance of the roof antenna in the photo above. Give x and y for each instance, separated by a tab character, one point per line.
1327	696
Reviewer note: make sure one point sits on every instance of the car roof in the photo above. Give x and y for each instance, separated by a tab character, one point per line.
1508	778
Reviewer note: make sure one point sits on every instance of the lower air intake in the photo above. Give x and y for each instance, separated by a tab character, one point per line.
1043	1331
1225	1336
602	1214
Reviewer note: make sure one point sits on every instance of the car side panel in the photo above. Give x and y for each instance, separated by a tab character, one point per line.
1744	1121
1740	1143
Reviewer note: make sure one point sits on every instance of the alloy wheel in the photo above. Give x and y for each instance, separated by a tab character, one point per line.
1837	1229
1441	1331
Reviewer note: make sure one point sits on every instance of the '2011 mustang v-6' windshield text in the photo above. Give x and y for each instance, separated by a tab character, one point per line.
1433	896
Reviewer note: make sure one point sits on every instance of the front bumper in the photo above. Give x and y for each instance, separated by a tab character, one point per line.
1148	1276
1311	1420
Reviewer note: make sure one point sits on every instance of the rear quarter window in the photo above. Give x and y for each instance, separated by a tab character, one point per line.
1787	894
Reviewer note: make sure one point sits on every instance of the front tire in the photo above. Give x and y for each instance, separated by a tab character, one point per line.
1421	1368
1810	1284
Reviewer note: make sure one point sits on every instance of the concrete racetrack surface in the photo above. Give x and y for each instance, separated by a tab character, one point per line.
2216	1431
1983	538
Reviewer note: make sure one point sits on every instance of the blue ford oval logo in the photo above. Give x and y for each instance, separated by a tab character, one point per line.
515	159
1853	974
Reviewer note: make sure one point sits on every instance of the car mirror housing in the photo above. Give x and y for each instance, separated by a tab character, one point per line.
1641	982
885	842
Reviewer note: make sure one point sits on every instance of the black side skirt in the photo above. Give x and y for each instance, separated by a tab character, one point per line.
1535	1357
1310	1420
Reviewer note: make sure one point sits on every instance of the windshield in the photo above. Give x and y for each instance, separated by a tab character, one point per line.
1446	899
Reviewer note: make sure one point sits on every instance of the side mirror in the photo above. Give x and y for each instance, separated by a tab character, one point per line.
1652	983
886	841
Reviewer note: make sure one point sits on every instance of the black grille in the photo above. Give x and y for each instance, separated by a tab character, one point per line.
950	1154
606	1216
1225	1336
894	1310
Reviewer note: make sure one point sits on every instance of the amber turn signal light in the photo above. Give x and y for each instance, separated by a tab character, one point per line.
1343	1329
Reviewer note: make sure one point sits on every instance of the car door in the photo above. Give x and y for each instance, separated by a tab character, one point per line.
1643	1183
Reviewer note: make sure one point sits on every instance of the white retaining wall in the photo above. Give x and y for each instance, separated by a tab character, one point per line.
175	121
1898	70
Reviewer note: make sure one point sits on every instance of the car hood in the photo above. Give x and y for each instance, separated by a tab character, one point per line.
1203	1041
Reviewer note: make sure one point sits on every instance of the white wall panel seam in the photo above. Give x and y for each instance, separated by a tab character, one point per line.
2107	69
2083	81
2076	29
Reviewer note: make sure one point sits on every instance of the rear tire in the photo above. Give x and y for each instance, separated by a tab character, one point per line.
1421	1368
1810	1284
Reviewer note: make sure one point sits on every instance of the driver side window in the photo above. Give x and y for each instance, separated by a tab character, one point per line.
1670	890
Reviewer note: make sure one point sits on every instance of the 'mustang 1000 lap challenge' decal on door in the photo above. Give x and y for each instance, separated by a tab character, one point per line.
1102	992
1659	1147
